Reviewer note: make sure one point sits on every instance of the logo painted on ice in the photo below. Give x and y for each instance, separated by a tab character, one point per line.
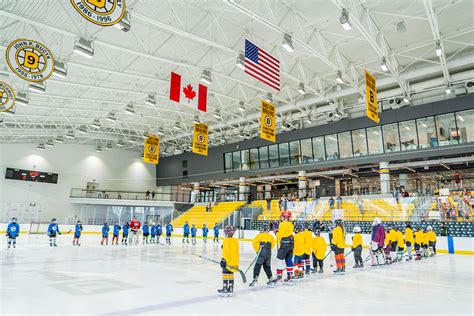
7	97
101	12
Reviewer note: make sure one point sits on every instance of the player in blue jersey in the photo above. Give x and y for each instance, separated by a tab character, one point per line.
193	234
125	229
115	237
53	231
152	233
105	234
169	230
146	232
13	231
77	234
205	231
216	233
159	232
186	232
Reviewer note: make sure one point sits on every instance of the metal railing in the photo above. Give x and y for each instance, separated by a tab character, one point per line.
179	196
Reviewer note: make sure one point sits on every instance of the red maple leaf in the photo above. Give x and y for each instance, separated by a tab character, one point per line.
189	93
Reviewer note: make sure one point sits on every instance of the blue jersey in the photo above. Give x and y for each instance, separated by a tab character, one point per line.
125	229
78	230
193	231
13	229
146	229
169	228
153	230
205	231
186	228
117	229
53	229
105	230
216	230
159	229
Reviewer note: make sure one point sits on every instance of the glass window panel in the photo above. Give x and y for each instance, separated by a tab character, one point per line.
263	151
345	144
295	152
408	139
284	154
374	139
245	160
446	129
254	158
332	151
391	137
306	150
236	160
318	148
465	121
273	156
228	161
359	142
426	132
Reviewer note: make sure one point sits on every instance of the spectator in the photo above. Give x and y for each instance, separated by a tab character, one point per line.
396	193
119	196
269	204
457	180
210	207
147	195
339	202
443	230
331	203
249	198
153	193
405	193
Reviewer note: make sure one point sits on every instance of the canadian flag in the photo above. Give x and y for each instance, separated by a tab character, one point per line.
185	92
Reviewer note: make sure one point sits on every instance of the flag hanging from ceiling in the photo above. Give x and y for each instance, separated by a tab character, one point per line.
187	92
261	65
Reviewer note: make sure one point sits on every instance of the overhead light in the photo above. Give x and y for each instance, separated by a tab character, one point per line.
160	132
439	50
384	65
132	139
49	143
22	98
41	147
268	98
460	118
339	77
301	89
287	42
448	89
344	20
241	106
59	139
60	69
308	120
111	117
96	124
129	109
177	126
98	149
406	99
84	47
151	99
124	23
10	112
206	77
70	134
401	27
447	167
120	143
145	135
217	114
196	119
109	146
38	87
82	130
240	61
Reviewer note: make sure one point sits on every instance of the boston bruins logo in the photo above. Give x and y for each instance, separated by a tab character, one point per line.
268	121
201	138
30	60
151	149
7	97
101	12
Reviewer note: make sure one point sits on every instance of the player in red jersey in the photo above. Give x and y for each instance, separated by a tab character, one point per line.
134	230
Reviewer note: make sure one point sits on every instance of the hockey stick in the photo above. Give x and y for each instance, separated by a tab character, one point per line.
242	274
255	259
348	253
327	254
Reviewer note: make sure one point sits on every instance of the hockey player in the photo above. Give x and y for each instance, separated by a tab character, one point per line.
230	258
159	232
431	236
77	234
205	231
216	233
400	244
116	233
409	240
418	241
193	234
105	234
318	246
146	233
152	233
134	230
186	232
263	242
357	247
337	246
308	238
377	241
13	231
298	252
388	244
286	244
424	243
169	230
53	230
125	230
394	244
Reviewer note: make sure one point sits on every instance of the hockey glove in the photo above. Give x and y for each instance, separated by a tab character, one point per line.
333	247
223	263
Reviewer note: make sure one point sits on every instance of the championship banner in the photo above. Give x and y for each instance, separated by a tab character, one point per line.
151	149
200	144
7	97
267	121
372	107
100	12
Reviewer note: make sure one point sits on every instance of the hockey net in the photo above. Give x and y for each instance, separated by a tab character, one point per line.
38	227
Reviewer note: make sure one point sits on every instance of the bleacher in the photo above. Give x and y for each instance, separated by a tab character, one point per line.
198	216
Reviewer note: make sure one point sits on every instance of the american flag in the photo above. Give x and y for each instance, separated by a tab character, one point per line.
261	65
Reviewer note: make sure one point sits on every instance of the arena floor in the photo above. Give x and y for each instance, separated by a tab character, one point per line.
158	280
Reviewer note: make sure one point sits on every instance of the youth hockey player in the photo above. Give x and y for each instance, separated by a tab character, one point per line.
169	230
308	238
318	246
77	234
424	243
152	233
193	234
159	232
134	230
125	230
186	232
377	242
116	233
105	234
230	258
216	233
418	241
388	244
409	240
286	245
298	252
146	233
205	231
357	247
400	244
53	230
431	236
13	231
263	242
337	246
394	244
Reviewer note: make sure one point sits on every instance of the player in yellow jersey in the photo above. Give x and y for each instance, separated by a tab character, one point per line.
400	244
318	246
230	259
357	247
418	241
298	251
424	243
394	244
308	238
338	243
286	244
431	236
409	240
263	244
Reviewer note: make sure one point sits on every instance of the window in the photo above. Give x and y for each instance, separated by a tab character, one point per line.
374	139
426	132
236	160
185	163
446	129
245	160
332	151
228	162
318	149
408	138
263	151
254	158
345	144
284	154
306	150
359	142
391	137
273	156
295	153
465	121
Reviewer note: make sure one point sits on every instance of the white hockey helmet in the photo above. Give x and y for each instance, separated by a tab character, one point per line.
429	227
376	221
357	229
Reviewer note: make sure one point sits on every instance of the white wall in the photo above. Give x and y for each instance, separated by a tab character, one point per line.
76	165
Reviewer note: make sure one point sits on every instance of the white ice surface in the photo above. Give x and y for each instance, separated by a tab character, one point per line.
160	280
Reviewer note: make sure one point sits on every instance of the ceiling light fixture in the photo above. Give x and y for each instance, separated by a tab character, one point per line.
241	106
60	69
124	23
448	89
109	146
240	62
98	149
41	146
82	130
84	47
59	139
217	114
70	134
38	87
22	98
206	77
49	143
301	89
339	77
120	143
196	119
177	126
268	98
287	42
129	109
160	132
344	20
439	50
111	117
384	65
96	124
151	100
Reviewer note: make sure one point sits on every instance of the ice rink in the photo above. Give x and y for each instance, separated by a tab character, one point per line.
159	279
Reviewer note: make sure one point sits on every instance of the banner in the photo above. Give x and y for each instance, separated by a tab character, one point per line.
101	12
201	133
7	97
151	149
372	107
267	121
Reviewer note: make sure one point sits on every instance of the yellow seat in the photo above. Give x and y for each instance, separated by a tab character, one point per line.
198	216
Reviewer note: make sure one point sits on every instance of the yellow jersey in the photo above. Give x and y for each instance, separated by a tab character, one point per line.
409	235
399	239
308	238
319	247
230	252
263	237
285	229
298	249
356	240
338	238
431	236
419	238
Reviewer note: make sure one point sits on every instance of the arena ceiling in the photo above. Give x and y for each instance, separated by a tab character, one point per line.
191	36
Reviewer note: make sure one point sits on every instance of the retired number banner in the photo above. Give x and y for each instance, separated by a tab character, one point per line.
200	145
151	150
267	121
372	107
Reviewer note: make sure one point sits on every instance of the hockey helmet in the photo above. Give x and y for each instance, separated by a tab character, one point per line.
285	214
408	225
357	229
14	220
429	227
53	220
376	221
264	228
338	222
317	232
229	231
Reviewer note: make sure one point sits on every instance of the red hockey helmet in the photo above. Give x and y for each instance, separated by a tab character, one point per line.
285	214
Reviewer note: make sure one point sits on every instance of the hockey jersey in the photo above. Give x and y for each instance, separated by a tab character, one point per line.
205	231
338	238
356	240
125	229
285	229
230	252
117	229
169	228
193	231
146	229
159	229
308	238
78	230
419	238
105	230
216	230
399	239
431	236
409	235
135	224
186	228
13	229
153	230
264	238
319	247
299	247
53	229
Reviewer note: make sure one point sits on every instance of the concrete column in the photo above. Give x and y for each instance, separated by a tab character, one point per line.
384	172
268	191
302	185
337	187
196	192
242	189
403	179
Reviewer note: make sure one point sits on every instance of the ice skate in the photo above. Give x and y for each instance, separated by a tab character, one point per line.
271	283
254	284
222	292
320	271
288	280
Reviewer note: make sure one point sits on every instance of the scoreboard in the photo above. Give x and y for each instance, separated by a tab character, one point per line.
31	175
